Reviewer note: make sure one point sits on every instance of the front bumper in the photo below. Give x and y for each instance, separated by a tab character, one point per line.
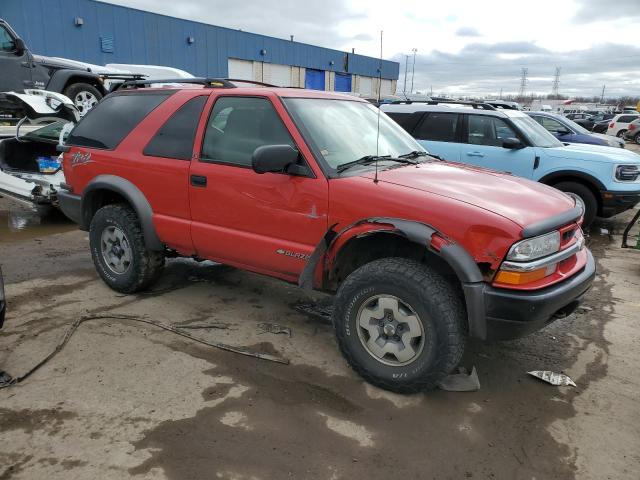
617	202
511	314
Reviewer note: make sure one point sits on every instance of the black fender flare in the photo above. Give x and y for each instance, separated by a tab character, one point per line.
453	254
585	177
60	79
135	198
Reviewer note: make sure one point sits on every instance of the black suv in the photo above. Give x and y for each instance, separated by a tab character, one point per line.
21	70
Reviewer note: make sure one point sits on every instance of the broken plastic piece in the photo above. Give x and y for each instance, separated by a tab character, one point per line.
552	377
274	328
6	379
320	310
461	381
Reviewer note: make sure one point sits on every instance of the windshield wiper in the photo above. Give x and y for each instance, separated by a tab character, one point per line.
361	161
414	154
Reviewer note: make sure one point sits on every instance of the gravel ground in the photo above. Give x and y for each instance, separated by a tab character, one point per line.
126	400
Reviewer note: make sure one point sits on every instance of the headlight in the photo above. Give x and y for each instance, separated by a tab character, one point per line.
535	247
614	142
627	173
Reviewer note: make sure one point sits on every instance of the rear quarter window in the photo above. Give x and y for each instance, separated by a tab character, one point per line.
109	122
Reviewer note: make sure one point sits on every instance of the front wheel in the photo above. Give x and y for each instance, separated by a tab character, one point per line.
119	252
585	196
400	325
83	96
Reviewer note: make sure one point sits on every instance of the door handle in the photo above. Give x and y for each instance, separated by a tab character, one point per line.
475	154
198	180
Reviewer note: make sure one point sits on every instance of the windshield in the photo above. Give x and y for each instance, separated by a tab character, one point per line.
49	133
344	131
536	133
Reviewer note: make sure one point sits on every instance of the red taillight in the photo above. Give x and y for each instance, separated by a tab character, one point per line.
632	126
612	125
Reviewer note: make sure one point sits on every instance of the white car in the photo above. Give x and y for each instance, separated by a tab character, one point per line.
619	124
30	169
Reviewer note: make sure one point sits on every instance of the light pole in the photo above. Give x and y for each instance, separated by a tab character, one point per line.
406	65
413	70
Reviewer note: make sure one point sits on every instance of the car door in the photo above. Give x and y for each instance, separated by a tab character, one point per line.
14	66
484	136
269	223
438	133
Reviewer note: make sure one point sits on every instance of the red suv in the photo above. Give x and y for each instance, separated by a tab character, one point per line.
324	190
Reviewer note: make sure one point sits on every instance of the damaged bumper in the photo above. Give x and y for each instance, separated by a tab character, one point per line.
511	314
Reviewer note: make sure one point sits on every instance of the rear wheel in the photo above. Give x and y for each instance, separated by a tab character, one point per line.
585	195
399	324
83	96
119	252
621	133
636	138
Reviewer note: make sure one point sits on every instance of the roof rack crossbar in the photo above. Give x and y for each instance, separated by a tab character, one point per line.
251	82
207	82
476	105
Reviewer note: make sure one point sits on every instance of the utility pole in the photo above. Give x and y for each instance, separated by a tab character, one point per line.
500	93
523	81
406	66
413	70
556	83
602	96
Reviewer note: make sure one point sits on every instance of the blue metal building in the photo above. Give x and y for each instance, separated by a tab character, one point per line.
101	33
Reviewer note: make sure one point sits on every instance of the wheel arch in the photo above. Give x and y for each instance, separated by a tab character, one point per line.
589	181
334	258
107	189
62	79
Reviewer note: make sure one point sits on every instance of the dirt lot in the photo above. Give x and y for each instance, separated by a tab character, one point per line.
128	400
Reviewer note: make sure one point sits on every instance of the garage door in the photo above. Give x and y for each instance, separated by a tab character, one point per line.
385	88
365	86
279	75
240	69
314	79
343	82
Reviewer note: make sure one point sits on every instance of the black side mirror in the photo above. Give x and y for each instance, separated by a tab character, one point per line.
20	46
512	143
274	158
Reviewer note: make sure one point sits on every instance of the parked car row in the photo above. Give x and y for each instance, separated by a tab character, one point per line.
606	180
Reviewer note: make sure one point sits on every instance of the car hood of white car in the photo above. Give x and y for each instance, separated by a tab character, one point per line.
594	153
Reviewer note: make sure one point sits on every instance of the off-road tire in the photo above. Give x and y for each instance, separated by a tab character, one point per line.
75	88
435	301
146	265
587	196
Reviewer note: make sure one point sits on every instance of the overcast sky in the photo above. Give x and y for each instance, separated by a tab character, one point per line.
464	47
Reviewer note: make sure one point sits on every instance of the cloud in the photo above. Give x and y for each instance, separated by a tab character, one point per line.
482	69
316	22
596	10
467	32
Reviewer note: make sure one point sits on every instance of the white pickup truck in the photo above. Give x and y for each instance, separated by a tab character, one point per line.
29	169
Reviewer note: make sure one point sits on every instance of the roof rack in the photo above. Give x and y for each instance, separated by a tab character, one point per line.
476	105
206	82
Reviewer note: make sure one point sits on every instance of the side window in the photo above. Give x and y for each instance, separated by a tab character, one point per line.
439	127
7	44
552	125
106	125
239	125
175	137
486	130
627	118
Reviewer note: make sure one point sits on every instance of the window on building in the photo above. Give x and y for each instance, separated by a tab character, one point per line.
239	125
175	137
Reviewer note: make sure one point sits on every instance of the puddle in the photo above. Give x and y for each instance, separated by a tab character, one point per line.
19	222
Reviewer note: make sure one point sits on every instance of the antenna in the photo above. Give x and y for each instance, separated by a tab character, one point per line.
375	179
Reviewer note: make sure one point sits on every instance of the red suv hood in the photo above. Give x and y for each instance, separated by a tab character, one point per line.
518	199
